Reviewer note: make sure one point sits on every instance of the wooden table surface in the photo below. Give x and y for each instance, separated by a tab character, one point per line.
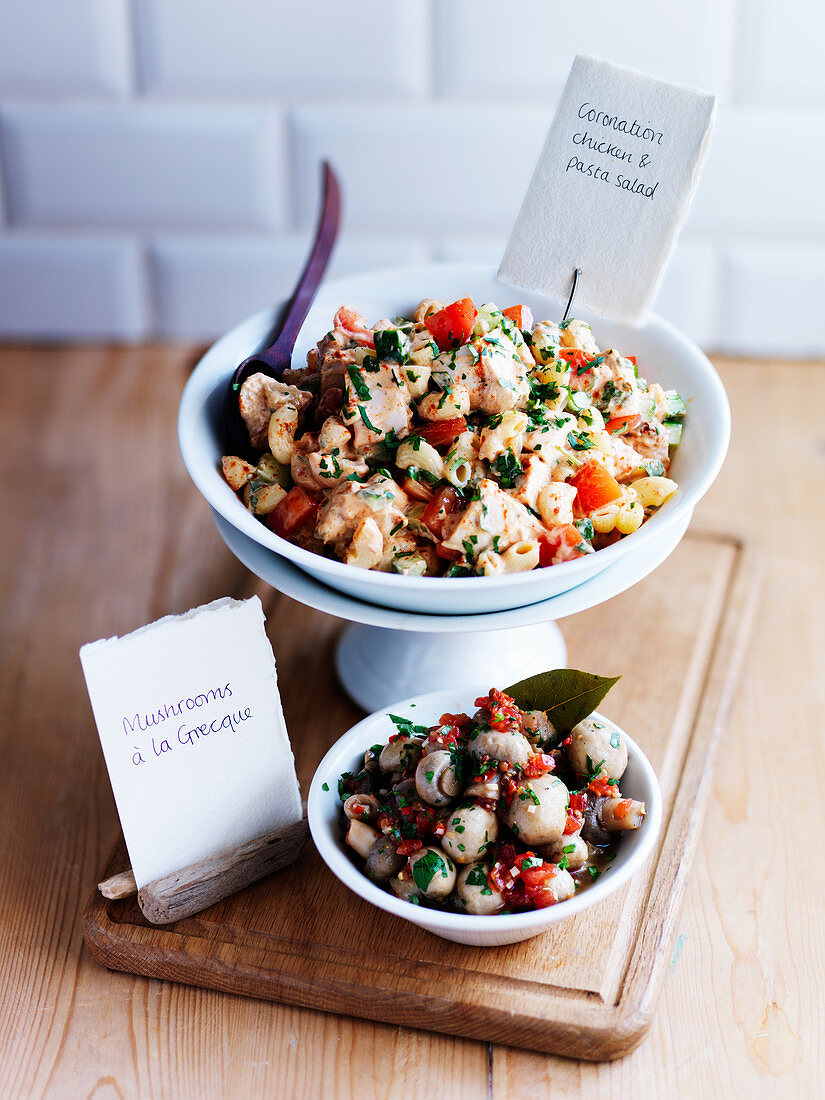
102	531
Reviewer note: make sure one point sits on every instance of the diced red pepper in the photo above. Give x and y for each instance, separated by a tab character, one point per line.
521	315
459	720
452	326
578	802
595	486
290	514
576	358
445	501
408	847
440	432
539	764
620	424
560	544
603	786
572	824
622	808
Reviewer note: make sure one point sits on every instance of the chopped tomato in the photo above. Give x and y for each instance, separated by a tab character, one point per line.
416	490
595	486
623	423
603	786
444	502
461	721
452	326
576	358
622	808
442	431
572	824
521	315
407	847
505	716
539	764
632	359
535	877
560	544
291	513
578	801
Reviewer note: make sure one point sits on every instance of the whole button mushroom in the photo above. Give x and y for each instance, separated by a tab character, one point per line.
383	860
399	754
618	814
473	892
561	886
470	830
361	836
594	743
571	847
364	807
592	829
435	778
501	745
538	813
433	872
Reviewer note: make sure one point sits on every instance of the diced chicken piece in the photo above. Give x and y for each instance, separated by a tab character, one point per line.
625	459
537	474
492	371
376	402
259	397
612	385
649	442
578	334
351	502
552	443
492	522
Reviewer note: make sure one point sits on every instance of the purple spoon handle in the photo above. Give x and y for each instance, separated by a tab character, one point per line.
275	358
279	355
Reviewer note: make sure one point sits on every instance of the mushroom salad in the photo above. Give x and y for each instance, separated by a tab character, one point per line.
494	813
456	442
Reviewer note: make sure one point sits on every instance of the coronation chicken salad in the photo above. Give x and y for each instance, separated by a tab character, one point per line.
457	442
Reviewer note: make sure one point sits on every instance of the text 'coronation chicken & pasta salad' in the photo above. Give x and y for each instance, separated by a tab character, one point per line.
458	442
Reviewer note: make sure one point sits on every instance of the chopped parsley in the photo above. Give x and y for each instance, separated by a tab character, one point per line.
508	468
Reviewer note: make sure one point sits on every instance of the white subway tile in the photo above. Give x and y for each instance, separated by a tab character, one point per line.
57	287
64	46
763	174
772	299
205	285
143	166
302	51
689	295
487	49
425	169
779	53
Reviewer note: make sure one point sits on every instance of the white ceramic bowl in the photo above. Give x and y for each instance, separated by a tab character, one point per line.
664	355
325	824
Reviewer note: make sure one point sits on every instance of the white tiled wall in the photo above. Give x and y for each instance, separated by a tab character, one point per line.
159	158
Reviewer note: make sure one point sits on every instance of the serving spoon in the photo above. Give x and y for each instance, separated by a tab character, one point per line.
277	356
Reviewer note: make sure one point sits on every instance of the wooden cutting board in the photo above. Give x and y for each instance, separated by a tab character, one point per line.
588	987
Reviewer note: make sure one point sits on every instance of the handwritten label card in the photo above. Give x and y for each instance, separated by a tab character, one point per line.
193	733
611	190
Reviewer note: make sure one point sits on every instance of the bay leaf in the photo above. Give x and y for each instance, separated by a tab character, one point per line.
567	694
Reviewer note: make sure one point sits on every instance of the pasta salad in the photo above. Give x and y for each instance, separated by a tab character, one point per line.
460	441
